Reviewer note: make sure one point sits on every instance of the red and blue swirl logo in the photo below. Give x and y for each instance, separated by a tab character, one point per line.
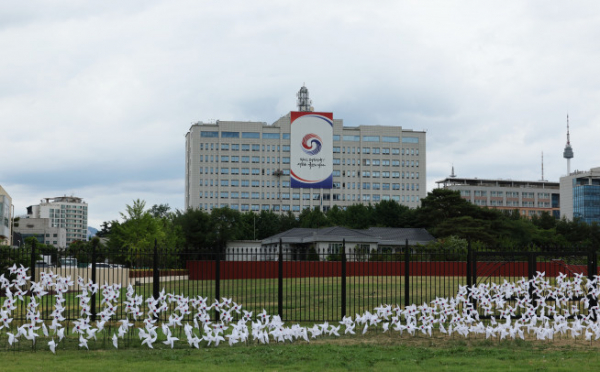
311	144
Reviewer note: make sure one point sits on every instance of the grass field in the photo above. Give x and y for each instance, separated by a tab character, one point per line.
371	352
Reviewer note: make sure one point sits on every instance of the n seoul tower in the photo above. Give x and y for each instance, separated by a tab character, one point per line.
568	153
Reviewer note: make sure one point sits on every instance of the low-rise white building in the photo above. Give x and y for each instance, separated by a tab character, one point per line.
321	244
43	231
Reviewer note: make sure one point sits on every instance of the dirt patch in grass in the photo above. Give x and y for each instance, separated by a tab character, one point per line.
442	341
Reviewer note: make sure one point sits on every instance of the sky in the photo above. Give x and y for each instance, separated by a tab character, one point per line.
96	97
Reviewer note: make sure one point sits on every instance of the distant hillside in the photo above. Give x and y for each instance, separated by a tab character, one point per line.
91	232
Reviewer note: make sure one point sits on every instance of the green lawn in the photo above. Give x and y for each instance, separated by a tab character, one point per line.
371	352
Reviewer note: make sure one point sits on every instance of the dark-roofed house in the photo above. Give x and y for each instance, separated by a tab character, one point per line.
307	244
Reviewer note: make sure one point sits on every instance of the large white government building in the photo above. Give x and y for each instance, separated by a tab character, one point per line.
246	165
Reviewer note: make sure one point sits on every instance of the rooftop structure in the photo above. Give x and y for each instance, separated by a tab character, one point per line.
304	103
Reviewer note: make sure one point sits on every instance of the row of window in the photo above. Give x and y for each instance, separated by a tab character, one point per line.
509	194
336	173
297	207
244	147
84	207
286	148
375	150
286	160
250	135
336	137
389	139
286	184
295	196
244	159
511	203
384	162
377	174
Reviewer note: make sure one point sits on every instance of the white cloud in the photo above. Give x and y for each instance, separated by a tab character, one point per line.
97	98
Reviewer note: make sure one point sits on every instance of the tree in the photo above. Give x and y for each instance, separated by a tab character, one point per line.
267	224
336	216
359	216
313	218
441	204
194	225
288	221
545	221
465	227
104	229
388	213
137	234
160	210
575	232
224	227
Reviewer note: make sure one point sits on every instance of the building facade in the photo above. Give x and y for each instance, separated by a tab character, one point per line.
246	166
528	197
5	217
298	243
43	231
580	195
68	212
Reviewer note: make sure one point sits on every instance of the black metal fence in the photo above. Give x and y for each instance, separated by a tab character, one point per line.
317	285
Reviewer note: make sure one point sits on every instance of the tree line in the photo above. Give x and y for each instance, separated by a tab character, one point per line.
444	213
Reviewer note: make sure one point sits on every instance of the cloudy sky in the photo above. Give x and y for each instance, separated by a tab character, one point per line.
96	97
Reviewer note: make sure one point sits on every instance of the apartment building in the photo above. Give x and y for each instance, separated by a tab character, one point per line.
68	212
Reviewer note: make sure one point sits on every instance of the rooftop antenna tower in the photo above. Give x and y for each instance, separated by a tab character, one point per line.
452	175
303	102
568	153
543	179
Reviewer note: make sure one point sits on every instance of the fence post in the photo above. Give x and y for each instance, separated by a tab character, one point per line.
93	299
592	270
32	260
474	258
469	265
217	280
531	273
343	278
406	274
155	273
280	281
